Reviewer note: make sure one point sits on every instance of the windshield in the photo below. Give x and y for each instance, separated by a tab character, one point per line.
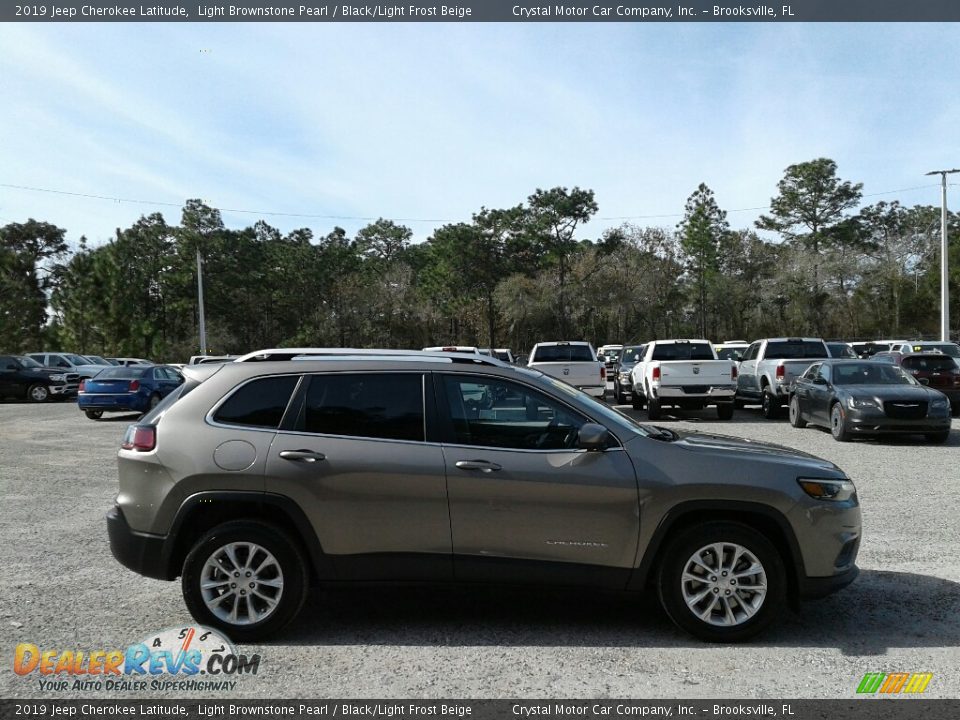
28	362
682	351
601	410
870	373
76	359
631	354
946	348
96	360
564	353
795	349
729	353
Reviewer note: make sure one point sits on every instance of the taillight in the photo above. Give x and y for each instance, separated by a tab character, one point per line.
603	373
134	385
733	372
656	372
781	372
83	385
141	438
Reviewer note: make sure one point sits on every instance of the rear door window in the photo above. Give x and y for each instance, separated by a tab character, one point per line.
387	406
259	403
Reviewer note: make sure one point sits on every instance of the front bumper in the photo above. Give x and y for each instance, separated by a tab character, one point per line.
868	421
141	552
63	390
810	588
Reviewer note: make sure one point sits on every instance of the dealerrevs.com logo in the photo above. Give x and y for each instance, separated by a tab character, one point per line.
190	658
894	683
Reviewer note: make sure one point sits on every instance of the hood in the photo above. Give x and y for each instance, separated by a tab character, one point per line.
908	393
730	447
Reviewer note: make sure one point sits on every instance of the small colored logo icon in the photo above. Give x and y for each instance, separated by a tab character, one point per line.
894	683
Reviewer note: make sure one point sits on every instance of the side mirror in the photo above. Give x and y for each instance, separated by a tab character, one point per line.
593	437
923	381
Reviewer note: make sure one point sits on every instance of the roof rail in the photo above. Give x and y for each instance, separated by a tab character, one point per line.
280	354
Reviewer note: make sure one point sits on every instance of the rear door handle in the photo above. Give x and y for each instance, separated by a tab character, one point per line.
302	455
481	465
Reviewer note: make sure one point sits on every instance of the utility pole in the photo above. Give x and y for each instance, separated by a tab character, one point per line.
944	285
203	324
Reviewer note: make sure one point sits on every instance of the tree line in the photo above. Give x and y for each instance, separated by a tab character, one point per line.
825	266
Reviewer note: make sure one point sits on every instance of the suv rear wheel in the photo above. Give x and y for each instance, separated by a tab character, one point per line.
722	581
246	578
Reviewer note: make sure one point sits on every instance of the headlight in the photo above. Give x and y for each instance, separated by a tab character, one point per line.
832	490
58	378
939	403
862	403
624	376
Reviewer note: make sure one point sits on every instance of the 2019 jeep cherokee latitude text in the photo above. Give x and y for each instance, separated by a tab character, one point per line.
255	480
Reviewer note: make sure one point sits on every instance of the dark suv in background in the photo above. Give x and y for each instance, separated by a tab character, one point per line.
23	378
254	480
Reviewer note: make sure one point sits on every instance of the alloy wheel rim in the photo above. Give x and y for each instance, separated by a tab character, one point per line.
39	393
724	584
835	420
241	583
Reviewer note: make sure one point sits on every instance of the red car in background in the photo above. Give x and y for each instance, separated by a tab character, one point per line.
938	371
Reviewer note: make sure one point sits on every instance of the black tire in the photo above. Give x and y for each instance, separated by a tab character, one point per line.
38	393
938	437
739	404
680	549
153	401
637	401
838	423
725	411
93	414
653	410
288	557
796	418
770	405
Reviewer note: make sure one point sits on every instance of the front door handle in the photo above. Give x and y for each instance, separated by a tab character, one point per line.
302	455
481	465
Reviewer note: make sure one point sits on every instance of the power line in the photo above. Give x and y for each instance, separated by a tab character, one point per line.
314	216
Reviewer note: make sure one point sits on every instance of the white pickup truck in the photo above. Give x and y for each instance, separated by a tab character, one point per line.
684	374
573	362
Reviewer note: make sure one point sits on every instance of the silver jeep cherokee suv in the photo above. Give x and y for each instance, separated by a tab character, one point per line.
255	480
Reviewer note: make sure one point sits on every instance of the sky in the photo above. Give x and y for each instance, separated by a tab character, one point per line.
340	124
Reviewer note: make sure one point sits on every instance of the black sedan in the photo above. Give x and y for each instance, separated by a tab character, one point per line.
862	397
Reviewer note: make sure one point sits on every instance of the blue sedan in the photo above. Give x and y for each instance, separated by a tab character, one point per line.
132	388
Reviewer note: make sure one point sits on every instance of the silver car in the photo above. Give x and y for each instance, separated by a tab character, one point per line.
255	480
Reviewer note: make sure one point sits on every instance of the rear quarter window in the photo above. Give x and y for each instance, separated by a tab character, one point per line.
258	403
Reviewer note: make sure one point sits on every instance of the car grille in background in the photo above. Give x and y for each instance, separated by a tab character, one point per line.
699	389
904	410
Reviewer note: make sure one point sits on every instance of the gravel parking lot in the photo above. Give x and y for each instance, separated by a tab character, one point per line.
61	588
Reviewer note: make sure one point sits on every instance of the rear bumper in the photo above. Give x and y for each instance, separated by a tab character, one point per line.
140	552
88	401
717	392
594	390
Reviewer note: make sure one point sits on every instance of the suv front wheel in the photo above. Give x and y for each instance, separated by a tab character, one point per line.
246	578
722	581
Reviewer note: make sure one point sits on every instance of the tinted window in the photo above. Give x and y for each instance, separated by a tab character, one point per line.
811	372
388	406
751	353
789	349
683	351
631	354
259	403
946	348
929	363
490	412
29	362
6	360
564	353
870	373
841	350
730	353
123	373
